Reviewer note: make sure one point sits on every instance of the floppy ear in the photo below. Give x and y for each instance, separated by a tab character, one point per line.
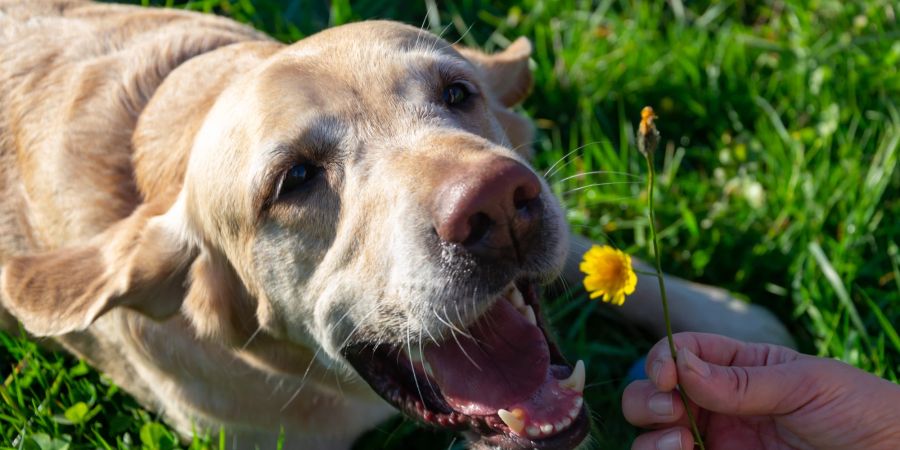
139	262
506	73
508	77
217	304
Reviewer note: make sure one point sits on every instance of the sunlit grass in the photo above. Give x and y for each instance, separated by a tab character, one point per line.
780	122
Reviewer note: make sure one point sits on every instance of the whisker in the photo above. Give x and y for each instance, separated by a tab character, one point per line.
550	171
412	365
421	28
602	383
302	380
427	378
440	36
459	344
449	323
428	332
462	36
358	326
610	183
600	172
432	14
522	145
316	354
252	336
614	200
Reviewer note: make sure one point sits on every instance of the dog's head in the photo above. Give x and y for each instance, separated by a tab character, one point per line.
366	193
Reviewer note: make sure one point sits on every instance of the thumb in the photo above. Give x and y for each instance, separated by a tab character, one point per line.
738	390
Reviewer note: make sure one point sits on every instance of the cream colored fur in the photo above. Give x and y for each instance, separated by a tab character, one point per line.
138	153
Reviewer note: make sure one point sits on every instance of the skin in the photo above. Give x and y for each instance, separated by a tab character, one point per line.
759	396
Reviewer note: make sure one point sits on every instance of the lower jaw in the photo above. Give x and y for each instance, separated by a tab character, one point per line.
384	367
570	438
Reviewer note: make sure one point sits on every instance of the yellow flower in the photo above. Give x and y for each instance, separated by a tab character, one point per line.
608	273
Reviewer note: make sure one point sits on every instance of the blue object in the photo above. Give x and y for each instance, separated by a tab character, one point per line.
637	372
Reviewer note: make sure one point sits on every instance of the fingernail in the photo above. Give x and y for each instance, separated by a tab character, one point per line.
661	404
655	369
695	364
669	441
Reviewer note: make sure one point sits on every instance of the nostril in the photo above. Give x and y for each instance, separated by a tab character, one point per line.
479	225
523	197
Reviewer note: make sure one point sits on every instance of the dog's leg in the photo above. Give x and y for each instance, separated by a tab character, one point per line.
692	306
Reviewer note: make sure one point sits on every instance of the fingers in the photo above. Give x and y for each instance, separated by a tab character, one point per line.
741	390
714	349
720	349
677	438
643	405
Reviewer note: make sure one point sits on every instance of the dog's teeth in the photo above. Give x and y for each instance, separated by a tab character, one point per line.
533	431
573	413
513	419
575	381
515	297
547	428
565	423
576	407
529	315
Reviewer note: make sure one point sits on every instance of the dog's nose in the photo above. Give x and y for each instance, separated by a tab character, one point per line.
490	208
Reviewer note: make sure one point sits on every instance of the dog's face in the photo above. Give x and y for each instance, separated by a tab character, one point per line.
365	190
366	193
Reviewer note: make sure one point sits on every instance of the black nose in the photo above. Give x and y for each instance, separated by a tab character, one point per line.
493	209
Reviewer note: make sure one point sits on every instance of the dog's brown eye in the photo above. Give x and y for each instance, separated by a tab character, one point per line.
297	177
456	94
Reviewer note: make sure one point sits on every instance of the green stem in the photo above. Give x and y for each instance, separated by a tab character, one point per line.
665	301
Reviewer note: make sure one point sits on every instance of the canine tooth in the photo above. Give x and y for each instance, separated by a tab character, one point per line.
515	297
575	381
513	419
578	402
574	413
547	428
533	431
529	315
565	423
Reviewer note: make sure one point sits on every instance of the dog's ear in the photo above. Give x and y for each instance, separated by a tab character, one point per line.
506	73
140	262
509	79
217	304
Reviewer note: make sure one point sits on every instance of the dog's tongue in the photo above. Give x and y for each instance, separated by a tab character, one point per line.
506	363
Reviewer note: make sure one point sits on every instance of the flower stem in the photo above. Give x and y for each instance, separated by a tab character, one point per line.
698	440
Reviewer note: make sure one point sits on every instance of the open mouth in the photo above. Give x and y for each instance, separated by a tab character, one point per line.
502	377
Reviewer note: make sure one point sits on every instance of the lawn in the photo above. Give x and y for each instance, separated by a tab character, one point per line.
779	182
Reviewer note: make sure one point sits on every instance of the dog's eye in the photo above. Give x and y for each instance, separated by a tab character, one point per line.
456	94
297	177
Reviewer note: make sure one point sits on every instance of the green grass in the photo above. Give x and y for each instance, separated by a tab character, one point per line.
779	181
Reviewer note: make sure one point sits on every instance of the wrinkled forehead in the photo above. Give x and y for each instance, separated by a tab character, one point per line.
355	74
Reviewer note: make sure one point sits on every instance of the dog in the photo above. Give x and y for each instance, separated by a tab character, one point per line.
308	237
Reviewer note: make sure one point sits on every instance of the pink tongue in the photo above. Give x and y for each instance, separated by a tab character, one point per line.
510	356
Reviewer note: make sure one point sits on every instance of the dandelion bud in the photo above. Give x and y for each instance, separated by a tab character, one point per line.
648	135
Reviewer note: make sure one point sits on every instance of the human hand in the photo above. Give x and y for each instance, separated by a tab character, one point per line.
759	396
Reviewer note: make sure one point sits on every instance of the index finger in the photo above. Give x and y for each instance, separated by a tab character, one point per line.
714	349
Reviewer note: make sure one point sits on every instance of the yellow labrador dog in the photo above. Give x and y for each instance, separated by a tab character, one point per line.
259	236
